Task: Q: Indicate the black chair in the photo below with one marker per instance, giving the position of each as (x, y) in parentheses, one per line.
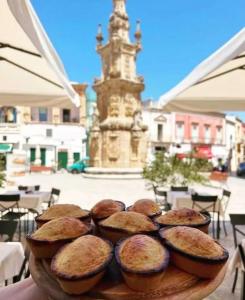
(237, 220)
(225, 199)
(23, 188)
(161, 198)
(54, 196)
(242, 255)
(207, 204)
(179, 188)
(24, 270)
(36, 188)
(8, 228)
(9, 207)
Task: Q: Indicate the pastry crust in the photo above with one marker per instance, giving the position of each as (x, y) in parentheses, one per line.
(194, 251)
(131, 222)
(106, 208)
(80, 265)
(142, 260)
(46, 241)
(194, 242)
(123, 224)
(184, 217)
(141, 254)
(63, 210)
(146, 207)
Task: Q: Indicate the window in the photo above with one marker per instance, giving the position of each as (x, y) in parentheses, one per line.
(66, 115)
(194, 132)
(180, 130)
(5, 138)
(43, 114)
(49, 132)
(8, 114)
(219, 134)
(159, 132)
(207, 134)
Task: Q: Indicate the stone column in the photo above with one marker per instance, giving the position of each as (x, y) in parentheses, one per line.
(38, 156)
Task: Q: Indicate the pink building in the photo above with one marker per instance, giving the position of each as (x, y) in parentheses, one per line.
(203, 133)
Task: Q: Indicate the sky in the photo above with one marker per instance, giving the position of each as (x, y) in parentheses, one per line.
(177, 35)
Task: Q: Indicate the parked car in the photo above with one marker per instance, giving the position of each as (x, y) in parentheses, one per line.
(241, 169)
(78, 166)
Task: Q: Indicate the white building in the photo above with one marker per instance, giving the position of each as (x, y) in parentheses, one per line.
(44, 137)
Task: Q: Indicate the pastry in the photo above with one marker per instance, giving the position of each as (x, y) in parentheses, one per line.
(106, 208)
(194, 251)
(46, 241)
(81, 264)
(63, 210)
(142, 260)
(124, 224)
(184, 217)
(146, 207)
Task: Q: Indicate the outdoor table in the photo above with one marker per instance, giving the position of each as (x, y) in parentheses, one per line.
(23, 290)
(235, 260)
(11, 259)
(31, 200)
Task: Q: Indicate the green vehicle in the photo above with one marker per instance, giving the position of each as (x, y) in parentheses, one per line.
(78, 166)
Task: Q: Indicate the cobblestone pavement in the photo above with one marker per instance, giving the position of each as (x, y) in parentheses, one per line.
(86, 192)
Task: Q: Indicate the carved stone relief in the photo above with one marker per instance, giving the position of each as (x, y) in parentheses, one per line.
(114, 106)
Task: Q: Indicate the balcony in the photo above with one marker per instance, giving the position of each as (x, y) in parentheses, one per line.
(9, 128)
(207, 141)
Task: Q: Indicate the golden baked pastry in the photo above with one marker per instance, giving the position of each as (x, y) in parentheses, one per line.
(45, 241)
(194, 251)
(79, 265)
(142, 260)
(146, 207)
(63, 210)
(184, 217)
(123, 224)
(106, 208)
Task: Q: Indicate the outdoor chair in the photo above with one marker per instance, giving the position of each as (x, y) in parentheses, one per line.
(37, 188)
(54, 196)
(242, 255)
(9, 207)
(24, 270)
(161, 198)
(225, 199)
(7, 228)
(22, 188)
(237, 220)
(207, 204)
(179, 188)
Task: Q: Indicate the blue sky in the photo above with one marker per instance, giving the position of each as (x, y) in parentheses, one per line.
(177, 35)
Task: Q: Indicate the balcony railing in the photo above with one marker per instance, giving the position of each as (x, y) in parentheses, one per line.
(6, 128)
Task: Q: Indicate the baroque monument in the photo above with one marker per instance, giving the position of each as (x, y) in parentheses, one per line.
(118, 136)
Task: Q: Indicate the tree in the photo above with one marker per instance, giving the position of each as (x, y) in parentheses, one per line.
(167, 170)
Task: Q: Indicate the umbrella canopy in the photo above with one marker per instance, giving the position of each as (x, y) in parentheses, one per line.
(31, 73)
(216, 85)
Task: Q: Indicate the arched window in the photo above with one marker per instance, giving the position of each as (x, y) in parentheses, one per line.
(8, 114)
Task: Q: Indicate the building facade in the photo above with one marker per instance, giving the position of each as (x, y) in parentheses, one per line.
(51, 137)
(185, 132)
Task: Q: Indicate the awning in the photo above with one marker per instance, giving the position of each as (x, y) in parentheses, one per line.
(4, 148)
(216, 85)
(203, 152)
(31, 73)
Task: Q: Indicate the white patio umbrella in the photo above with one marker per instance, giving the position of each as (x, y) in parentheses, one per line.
(31, 73)
(216, 85)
